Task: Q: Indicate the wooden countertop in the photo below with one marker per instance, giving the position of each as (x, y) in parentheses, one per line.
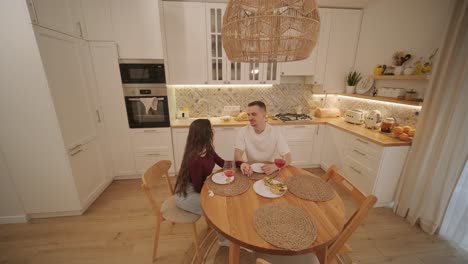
(359, 130)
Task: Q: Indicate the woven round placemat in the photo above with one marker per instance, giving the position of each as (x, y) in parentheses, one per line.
(285, 226)
(310, 188)
(240, 185)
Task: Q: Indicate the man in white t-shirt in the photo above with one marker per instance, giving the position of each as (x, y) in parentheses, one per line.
(260, 141)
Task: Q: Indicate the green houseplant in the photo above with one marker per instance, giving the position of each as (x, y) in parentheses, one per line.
(352, 80)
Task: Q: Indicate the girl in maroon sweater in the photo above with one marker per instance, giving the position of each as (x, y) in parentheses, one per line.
(197, 164)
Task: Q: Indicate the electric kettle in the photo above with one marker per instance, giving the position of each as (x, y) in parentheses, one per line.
(373, 119)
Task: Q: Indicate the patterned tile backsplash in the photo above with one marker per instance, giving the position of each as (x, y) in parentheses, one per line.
(205, 101)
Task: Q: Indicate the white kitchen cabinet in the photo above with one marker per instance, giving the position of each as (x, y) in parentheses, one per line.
(301, 142)
(373, 168)
(67, 65)
(342, 45)
(61, 15)
(111, 99)
(179, 139)
(333, 148)
(88, 171)
(63, 64)
(98, 20)
(310, 65)
(137, 28)
(185, 35)
(151, 145)
(262, 73)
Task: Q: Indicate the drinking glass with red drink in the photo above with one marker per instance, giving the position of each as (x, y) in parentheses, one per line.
(228, 169)
(280, 162)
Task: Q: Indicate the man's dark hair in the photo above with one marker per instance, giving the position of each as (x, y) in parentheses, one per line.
(259, 104)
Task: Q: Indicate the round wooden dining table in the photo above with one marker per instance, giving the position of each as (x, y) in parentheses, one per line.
(233, 218)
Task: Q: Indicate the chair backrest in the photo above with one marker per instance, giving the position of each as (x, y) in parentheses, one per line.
(365, 203)
(152, 177)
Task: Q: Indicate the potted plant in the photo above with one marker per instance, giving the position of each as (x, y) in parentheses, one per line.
(351, 81)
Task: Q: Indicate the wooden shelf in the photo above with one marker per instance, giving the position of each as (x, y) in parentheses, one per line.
(383, 99)
(400, 77)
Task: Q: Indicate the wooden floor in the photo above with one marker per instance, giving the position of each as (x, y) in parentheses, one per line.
(119, 226)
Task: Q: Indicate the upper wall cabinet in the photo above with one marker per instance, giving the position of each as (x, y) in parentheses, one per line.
(335, 51)
(60, 15)
(98, 20)
(345, 26)
(185, 27)
(137, 28)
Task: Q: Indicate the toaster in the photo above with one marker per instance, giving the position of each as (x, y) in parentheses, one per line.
(355, 116)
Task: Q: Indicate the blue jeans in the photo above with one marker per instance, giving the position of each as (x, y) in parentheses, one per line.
(191, 203)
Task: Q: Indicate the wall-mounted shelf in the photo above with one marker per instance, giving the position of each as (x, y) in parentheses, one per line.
(400, 77)
(383, 99)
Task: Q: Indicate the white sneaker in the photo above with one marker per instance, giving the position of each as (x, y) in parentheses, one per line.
(224, 243)
(227, 243)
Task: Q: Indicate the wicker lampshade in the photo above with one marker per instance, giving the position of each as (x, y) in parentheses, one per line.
(270, 30)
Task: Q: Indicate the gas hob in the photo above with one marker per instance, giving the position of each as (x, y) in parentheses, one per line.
(290, 117)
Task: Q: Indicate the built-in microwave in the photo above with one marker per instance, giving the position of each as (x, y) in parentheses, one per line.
(142, 73)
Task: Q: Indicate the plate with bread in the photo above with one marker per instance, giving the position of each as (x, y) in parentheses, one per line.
(270, 188)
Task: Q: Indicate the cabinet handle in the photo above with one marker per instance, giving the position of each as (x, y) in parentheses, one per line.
(362, 141)
(98, 116)
(150, 131)
(359, 152)
(358, 171)
(153, 154)
(318, 127)
(79, 28)
(74, 153)
(228, 128)
(206, 82)
(74, 147)
(32, 11)
(299, 126)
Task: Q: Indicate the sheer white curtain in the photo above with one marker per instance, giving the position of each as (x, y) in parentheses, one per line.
(440, 150)
(455, 224)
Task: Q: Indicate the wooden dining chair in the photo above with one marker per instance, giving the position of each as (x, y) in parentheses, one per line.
(365, 204)
(168, 210)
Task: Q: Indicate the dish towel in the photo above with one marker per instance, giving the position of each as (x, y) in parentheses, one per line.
(149, 102)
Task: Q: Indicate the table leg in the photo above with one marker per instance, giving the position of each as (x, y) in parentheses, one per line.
(322, 255)
(234, 253)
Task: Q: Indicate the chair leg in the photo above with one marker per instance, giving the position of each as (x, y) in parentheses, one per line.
(156, 237)
(195, 241)
(322, 255)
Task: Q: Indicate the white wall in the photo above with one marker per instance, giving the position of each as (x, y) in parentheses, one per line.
(30, 136)
(415, 27)
(11, 209)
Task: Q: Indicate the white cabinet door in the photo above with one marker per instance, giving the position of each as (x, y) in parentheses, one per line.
(321, 50)
(137, 28)
(98, 20)
(224, 141)
(61, 15)
(319, 138)
(88, 170)
(300, 140)
(341, 54)
(185, 29)
(111, 98)
(217, 60)
(179, 139)
(333, 148)
(146, 159)
(61, 57)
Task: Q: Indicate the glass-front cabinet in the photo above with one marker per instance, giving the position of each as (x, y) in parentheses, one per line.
(223, 71)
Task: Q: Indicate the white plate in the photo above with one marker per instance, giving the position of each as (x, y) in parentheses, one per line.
(261, 189)
(257, 167)
(364, 85)
(219, 178)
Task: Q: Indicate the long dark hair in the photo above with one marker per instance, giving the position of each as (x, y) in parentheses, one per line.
(199, 141)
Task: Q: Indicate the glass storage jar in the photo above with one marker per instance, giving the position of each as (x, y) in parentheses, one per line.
(387, 125)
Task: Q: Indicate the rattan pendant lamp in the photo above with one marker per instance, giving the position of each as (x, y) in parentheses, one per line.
(270, 30)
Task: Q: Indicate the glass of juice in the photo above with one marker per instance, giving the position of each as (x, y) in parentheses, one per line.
(228, 169)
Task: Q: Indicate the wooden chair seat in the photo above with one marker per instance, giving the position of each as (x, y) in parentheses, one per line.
(172, 213)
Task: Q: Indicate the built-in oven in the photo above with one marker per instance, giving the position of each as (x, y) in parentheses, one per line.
(147, 107)
(142, 73)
